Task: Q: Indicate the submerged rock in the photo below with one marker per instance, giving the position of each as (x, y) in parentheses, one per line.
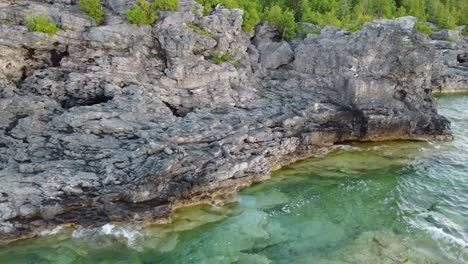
(122, 123)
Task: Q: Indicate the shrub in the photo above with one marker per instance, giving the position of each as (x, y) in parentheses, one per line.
(93, 8)
(219, 58)
(251, 16)
(359, 23)
(200, 30)
(41, 23)
(143, 13)
(237, 64)
(330, 18)
(448, 39)
(283, 20)
(423, 28)
(465, 30)
(227, 56)
(170, 5)
(152, 56)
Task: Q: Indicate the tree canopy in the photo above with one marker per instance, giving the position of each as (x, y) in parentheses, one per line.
(350, 14)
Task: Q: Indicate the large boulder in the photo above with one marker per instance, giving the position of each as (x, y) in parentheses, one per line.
(275, 54)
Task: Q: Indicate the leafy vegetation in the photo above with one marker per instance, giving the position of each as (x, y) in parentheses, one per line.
(448, 39)
(145, 13)
(200, 30)
(349, 14)
(41, 23)
(170, 5)
(357, 25)
(283, 20)
(237, 64)
(152, 56)
(423, 28)
(252, 9)
(219, 58)
(142, 13)
(93, 8)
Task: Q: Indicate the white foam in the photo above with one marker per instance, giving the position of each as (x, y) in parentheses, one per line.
(438, 233)
(52, 232)
(453, 247)
(130, 233)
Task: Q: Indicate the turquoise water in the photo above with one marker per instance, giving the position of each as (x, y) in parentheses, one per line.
(403, 202)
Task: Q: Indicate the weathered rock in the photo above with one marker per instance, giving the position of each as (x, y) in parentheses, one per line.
(122, 123)
(275, 54)
(447, 35)
(451, 67)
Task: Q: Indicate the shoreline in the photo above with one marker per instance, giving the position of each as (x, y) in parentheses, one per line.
(225, 192)
(123, 123)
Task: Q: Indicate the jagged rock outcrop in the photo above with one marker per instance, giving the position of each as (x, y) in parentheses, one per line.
(451, 74)
(124, 123)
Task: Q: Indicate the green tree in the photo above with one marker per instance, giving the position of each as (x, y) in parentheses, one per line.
(251, 16)
(388, 8)
(283, 20)
(345, 8)
(401, 11)
(417, 9)
(330, 18)
(303, 11)
(351, 14)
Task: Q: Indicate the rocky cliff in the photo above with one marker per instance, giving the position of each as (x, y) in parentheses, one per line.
(118, 122)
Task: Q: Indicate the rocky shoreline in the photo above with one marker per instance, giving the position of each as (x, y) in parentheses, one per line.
(121, 123)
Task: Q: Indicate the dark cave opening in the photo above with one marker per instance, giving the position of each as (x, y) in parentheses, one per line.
(57, 56)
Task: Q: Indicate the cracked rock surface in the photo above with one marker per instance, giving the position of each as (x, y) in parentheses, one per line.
(116, 122)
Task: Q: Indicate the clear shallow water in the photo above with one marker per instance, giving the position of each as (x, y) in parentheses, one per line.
(401, 202)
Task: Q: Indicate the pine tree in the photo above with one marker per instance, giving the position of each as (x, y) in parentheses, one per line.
(344, 8)
(351, 14)
(303, 11)
(401, 11)
(388, 8)
(417, 9)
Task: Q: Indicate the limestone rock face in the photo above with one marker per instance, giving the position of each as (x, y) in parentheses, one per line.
(451, 56)
(447, 34)
(451, 74)
(121, 123)
(381, 70)
(275, 54)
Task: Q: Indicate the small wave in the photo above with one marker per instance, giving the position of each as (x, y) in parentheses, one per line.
(130, 234)
(51, 232)
(346, 148)
(453, 242)
(439, 233)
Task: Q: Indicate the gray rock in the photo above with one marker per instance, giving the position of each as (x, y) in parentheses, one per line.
(447, 35)
(275, 54)
(451, 74)
(119, 122)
